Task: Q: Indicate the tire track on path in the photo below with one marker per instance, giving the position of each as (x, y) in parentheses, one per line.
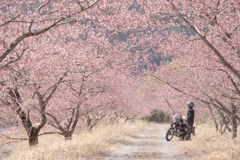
(150, 145)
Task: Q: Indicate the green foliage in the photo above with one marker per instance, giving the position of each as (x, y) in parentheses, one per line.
(146, 86)
(175, 68)
(158, 116)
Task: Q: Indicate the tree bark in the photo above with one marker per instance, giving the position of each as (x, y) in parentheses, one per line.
(67, 132)
(33, 136)
(32, 132)
(212, 116)
(226, 122)
(68, 136)
(234, 122)
(221, 125)
(223, 120)
(234, 127)
(16, 100)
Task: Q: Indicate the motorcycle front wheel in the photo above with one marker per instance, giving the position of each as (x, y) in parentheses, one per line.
(169, 134)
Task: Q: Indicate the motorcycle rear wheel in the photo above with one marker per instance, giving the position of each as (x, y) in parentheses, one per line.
(169, 134)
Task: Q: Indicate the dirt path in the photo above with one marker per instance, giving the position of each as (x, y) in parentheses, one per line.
(150, 145)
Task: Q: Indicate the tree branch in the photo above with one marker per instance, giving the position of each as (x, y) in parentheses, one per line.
(49, 133)
(54, 89)
(9, 21)
(231, 79)
(194, 27)
(19, 139)
(25, 35)
(42, 5)
(56, 121)
(17, 59)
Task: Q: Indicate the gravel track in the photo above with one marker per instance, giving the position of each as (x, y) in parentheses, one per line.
(150, 145)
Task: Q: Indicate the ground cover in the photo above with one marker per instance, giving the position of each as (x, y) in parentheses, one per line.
(211, 145)
(99, 143)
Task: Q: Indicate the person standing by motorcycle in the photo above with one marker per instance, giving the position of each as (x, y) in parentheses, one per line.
(190, 119)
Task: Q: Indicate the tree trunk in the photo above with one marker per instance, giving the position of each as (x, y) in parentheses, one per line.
(126, 119)
(234, 122)
(68, 136)
(221, 125)
(223, 119)
(33, 136)
(212, 116)
(216, 124)
(72, 123)
(32, 131)
(234, 127)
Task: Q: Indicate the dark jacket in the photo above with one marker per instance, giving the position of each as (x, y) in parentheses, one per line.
(190, 115)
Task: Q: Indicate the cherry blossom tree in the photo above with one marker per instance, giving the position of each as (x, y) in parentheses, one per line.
(21, 20)
(103, 48)
(26, 26)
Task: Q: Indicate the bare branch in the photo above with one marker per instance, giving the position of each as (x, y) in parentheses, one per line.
(25, 35)
(19, 139)
(42, 5)
(194, 27)
(30, 26)
(185, 42)
(3, 6)
(56, 121)
(90, 6)
(30, 34)
(232, 80)
(54, 89)
(235, 28)
(78, 2)
(69, 21)
(45, 133)
(50, 88)
(9, 21)
(169, 105)
(222, 107)
(230, 97)
(50, 12)
(17, 59)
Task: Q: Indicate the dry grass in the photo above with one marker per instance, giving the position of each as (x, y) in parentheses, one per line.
(206, 145)
(96, 145)
(211, 145)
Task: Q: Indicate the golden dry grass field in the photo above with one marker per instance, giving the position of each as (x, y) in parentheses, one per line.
(99, 144)
(208, 144)
(84, 145)
(211, 145)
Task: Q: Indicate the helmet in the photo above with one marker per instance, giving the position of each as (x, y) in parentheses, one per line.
(190, 104)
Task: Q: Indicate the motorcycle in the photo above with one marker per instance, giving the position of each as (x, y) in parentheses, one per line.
(178, 128)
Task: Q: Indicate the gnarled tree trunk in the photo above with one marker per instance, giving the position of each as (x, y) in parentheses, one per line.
(32, 132)
(16, 100)
(68, 130)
